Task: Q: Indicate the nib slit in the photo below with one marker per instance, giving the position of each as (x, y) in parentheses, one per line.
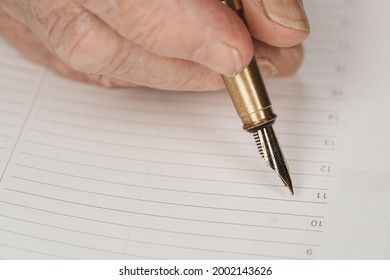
(269, 149)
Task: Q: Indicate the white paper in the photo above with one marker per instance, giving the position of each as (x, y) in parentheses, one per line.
(94, 173)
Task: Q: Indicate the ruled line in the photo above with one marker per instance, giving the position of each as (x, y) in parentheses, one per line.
(155, 229)
(10, 112)
(297, 96)
(162, 216)
(177, 99)
(153, 123)
(17, 79)
(33, 251)
(89, 139)
(165, 163)
(167, 176)
(72, 244)
(5, 136)
(14, 90)
(24, 123)
(307, 122)
(126, 109)
(334, 73)
(7, 124)
(159, 149)
(297, 134)
(309, 83)
(147, 257)
(139, 160)
(17, 67)
(170, 203)
(131, 121)
(10, 100)
(162, 111)
(147, 148)
(310, 161)
(146, 242)
(163, 136)
(308, 134)
(280, 108)
(171, 97)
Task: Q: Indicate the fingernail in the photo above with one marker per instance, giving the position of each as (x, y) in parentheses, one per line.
(289, 13)
(220, 57)
(267, 69)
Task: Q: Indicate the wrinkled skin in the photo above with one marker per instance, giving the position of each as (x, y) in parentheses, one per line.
(170, 44)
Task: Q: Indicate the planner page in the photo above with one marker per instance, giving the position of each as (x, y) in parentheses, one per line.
(94, 173)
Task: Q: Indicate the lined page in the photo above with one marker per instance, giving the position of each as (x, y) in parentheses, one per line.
(20, 82)
(93, 173)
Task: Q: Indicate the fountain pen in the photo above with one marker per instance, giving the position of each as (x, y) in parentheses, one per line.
(253, 106)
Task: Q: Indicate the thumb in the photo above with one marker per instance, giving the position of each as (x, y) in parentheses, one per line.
(204, 31)
(281, 23)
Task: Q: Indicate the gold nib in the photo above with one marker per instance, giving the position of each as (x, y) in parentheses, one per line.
(269, 149)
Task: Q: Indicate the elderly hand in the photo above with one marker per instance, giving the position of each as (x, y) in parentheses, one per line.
(170, 44)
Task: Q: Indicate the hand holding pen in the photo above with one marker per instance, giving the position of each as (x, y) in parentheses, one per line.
(171, 44)
(253, 105)
(177, 45)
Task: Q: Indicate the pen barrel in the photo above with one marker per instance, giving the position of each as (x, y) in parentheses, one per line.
(250, 98)
(247, 90)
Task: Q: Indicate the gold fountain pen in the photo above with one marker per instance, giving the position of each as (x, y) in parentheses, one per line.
(253, 106)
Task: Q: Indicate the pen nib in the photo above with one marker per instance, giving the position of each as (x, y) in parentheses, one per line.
(269, 149)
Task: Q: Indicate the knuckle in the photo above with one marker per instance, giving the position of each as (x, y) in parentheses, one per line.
(88, 45)
(70, 40)
(79, 38)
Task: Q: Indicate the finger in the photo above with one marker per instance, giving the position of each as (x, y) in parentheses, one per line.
(204, 31)
(140, 68)
(275, 61)
(187, 76)
(281, 23)
(131, 64)
(32, 48)
(87, 44)
(29, 45)
(136, 65)
(75, 35)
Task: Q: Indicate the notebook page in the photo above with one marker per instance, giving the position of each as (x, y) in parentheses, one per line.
(359, 221)
(19, 83)
(96, 173)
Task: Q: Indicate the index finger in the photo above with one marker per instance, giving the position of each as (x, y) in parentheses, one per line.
(203, 31)
(280, 23)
